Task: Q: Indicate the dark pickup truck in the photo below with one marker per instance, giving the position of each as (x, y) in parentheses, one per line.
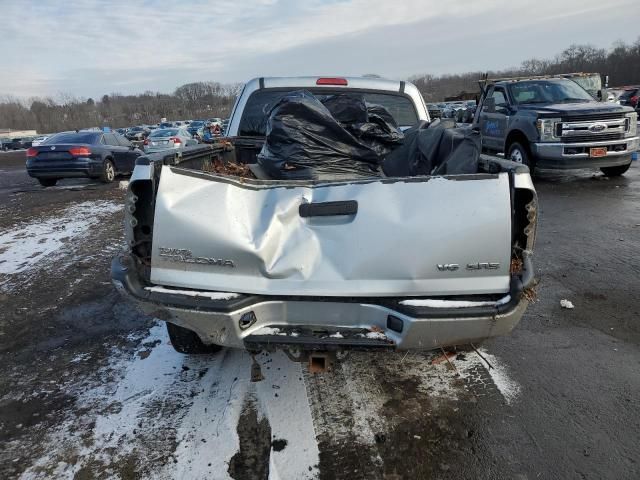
(554, 123)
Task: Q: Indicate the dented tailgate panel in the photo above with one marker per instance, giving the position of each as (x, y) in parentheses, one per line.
(216, 233)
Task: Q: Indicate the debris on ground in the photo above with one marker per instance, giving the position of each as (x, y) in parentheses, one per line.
(564, 303)
(530, 294)
(516, 265)
(229, 168)
(443, 358)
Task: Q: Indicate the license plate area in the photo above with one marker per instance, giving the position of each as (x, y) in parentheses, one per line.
(598, 152)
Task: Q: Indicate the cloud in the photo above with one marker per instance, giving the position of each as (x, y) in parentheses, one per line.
(87, 48)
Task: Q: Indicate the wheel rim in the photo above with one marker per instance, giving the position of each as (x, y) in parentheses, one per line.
(110, 173)
(516, 156)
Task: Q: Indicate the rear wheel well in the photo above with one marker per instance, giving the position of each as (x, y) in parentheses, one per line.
(516, 136)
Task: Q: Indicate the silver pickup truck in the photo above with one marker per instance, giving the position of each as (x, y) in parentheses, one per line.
(377, 263)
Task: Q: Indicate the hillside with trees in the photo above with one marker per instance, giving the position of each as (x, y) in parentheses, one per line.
(208, 99)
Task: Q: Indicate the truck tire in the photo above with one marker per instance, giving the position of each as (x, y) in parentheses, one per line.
(108, 172)
(188, 342)
(48, 182)
(615, 171)
(520, 154)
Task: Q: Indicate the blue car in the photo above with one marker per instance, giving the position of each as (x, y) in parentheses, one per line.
(196, 128)
(81, 154)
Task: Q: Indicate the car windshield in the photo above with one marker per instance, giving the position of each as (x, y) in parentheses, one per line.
(256, 111)
(80, 137)
(166, 132)
(548, 91)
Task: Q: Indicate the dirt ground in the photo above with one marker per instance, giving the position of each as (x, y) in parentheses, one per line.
(90, 388)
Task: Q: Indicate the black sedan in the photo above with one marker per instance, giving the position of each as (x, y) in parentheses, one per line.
(83, 154)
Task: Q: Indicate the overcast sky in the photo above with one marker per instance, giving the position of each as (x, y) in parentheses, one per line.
(89, 47)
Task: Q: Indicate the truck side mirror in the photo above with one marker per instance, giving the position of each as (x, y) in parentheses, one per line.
(489, 105)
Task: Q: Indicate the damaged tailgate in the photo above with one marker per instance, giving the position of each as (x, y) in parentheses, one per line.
(369, 238)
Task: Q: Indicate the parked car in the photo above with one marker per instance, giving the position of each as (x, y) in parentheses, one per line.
(39, 140)
(5, 144)
(554, 123)
(196, 127)
(166, 125)
(81, 154)
(375, 263)
(630, 97)
(434, 111)
(214, 120)
(137, 133)
(20, 143)
(121, 131)
(168, 138)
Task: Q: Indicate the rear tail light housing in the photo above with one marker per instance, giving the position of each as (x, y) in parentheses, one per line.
(146, 141)
(634, 100)
(32, 152)
(332, 81)
(176, 140)
(80, 151)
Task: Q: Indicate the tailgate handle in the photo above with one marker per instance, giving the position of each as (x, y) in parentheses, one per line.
(328, 209)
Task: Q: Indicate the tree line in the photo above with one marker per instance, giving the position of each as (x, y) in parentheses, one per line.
(621, 63)
(212, 99)
(200, 100)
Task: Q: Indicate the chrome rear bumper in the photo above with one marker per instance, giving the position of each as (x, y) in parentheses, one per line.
(254, 322)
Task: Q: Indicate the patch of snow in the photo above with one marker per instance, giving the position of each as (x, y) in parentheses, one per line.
(273, 331)
(194, 293)
(433, 303)
(26, 245)
(123, 185)
(336, 335)
(282, 399)
(509, 388)
(564, 303)
(180, 409)
(376, 335)
(80, 358)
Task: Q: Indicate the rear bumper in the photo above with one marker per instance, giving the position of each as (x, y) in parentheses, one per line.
(576, 155)
(80, 167)
(249, 322)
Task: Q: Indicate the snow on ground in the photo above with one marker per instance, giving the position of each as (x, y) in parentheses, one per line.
(27, 245)
(176, 416)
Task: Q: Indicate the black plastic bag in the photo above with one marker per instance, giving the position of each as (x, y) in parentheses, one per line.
(434, 149)
(380, 132)
(305, 141)
(347, 109)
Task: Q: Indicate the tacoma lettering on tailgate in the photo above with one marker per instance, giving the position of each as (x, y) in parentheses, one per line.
(182, 255)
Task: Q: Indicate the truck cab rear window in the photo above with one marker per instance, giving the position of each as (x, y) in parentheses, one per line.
(256, 112)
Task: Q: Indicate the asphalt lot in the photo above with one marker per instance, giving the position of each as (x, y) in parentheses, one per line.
(89, 388)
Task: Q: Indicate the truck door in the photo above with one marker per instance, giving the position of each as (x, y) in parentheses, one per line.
(493, 124)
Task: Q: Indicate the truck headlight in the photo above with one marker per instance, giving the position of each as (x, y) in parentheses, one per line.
(547, 129)
(632, 124)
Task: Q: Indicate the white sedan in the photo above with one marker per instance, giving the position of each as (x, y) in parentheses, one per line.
(167, 139)
(38, 140)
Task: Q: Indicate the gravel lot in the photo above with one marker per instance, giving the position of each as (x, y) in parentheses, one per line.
(89, 388)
